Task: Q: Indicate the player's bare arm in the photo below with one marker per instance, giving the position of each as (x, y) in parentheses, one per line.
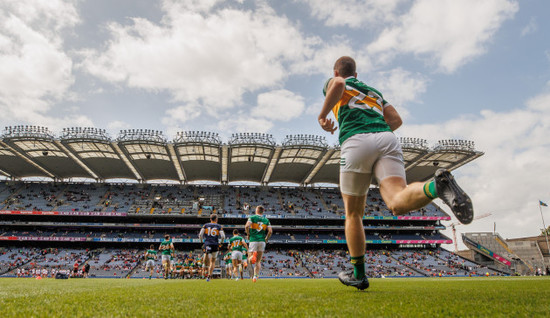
(391, 116)
(269, 233)
(335, 90)
(201, 235)
(247, 229)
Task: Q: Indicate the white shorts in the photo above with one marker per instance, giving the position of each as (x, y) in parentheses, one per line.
(256, 246)
(237, 255)
(165, 258)
(150, 263)
(212, 254)
(363, 155)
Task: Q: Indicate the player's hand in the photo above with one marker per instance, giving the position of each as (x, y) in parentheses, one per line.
(327, 125)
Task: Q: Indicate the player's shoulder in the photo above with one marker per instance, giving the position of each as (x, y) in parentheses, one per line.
(325, 87)
(360, 85)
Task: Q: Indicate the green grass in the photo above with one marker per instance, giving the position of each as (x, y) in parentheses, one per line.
(410, 297)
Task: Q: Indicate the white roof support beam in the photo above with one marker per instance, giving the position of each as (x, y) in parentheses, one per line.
(126, 161)
(272, 164)
(24, 157)
(225, 163)
(177, 164)
(5, 174)
(76, 159)
(318, 166)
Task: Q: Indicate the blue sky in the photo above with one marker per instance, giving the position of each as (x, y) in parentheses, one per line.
(476, 70)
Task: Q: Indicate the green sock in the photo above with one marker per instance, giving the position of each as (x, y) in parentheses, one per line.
(429, 190)
(358, 263)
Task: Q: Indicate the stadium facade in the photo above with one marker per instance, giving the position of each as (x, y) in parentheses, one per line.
(103, 218)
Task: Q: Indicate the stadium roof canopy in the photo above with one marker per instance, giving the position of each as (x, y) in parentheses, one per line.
(146, 155)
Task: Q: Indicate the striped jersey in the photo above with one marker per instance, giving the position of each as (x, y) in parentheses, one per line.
(360, 110)
(236, 243)
(258, 228)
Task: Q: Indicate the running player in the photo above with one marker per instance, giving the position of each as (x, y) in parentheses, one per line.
(210, 234)
(235, 246)
(228, 265)
(166, 249)
(258, 231)
(245, 264)
(369, 147)
(150, 257)
(172, 265)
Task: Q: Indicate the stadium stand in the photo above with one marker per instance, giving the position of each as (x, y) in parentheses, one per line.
(110, 224)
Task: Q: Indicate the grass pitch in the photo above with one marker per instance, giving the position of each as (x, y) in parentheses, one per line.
(430, 297)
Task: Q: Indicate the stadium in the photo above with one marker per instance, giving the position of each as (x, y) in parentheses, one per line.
(85, 198)
(51, 225)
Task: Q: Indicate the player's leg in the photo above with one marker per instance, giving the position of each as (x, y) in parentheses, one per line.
(205, 263)
(235, 266)
(401, 198)
(258, 266)
(212, 264)
(354, 187)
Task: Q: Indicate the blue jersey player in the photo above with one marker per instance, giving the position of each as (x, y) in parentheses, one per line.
(210, 235)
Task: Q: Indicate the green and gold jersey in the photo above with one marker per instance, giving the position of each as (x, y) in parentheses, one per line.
(258, 228)
(236, 243)
(151, 254)
(179, 265)
(165, 247)
(228, 259)
(360, 110)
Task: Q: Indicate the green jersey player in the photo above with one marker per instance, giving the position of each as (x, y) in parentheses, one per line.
(150, 257)
(166, 249)
(258, 230)
(370, 149)
(236, 246)
(228, 264)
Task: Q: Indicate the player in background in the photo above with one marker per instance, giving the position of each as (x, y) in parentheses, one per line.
(228, 265)
(86, 269)
(369, 148)
(245, 264)
(198, 267)
(235, 246)
(258, 231)
(166, 249)
(150, 258)
(178, 268)
(172, 265)
(210, 235)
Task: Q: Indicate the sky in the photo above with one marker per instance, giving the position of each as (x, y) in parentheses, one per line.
(469, 69)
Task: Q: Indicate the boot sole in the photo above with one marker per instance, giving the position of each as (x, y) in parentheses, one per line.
(462, 204)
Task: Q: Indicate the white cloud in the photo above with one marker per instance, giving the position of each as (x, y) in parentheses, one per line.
(512, 175)
(451, 32)
(211, 56)
(280, 105)
(117, 125)
(36, 72)
(181, 114)
(245, 123)
(400, 87)
(354, 13)
(530, 28)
